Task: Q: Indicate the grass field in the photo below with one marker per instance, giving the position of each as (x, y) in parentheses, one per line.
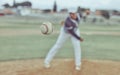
(20, 38)
(22, 42)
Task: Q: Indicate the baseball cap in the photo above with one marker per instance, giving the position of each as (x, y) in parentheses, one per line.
(72, 10)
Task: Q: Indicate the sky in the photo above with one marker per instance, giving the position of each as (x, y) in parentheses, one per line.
(92, 4)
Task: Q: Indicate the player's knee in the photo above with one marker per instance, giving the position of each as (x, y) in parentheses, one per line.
(58, 45)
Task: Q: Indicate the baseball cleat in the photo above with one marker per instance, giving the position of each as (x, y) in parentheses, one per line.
(47, 65)
(78, 68)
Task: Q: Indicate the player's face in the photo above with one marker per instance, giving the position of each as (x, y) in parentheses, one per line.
(73, 16)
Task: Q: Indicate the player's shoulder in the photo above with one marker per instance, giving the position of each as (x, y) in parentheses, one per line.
(68, 19)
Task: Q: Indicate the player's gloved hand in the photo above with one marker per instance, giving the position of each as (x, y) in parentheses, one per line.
(81, 39)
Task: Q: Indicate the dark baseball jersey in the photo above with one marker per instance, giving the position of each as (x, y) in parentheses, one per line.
(71, 26)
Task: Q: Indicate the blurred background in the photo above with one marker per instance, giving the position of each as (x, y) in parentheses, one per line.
(95, 10)
(20, 36)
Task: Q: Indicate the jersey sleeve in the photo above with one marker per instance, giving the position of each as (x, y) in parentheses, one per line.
(74, 34)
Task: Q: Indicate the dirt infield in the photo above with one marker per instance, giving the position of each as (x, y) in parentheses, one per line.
(59, 67)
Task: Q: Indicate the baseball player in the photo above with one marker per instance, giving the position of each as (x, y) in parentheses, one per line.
(68, 30)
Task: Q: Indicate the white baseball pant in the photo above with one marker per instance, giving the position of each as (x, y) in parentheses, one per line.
(61, 39)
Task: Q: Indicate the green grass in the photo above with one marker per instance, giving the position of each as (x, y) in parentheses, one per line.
(36, 46)
(101, 47)
(105, 47)
(104, 28)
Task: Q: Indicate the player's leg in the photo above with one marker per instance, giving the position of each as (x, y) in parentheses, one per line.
(61, 39)
(77, 50)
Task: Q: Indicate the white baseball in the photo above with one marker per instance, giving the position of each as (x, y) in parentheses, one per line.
(46, 28)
